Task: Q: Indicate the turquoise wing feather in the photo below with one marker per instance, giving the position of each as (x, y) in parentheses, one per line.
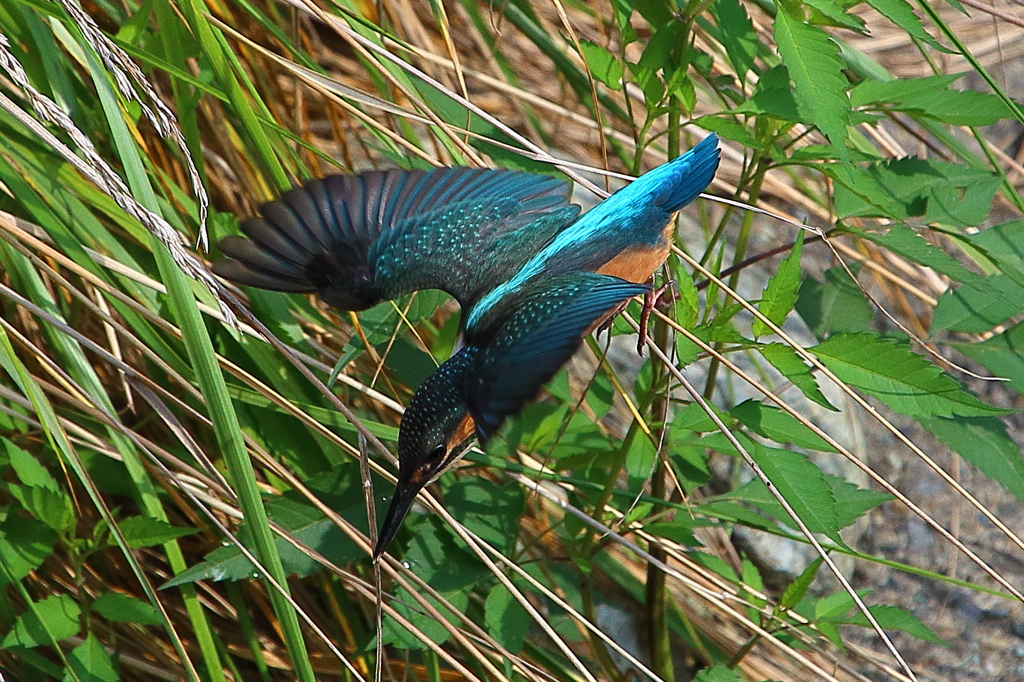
(636, 215)
(359, 239)
(512, 357)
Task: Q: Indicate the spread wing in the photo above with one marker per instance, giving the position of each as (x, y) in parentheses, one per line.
(520, 353)
(358, 239)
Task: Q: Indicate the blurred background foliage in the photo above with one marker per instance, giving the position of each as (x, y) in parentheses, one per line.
(181, 499)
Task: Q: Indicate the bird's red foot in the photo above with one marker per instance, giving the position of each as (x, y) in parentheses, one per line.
(650, 300)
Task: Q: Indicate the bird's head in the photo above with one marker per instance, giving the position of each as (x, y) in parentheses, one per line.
(435, 432)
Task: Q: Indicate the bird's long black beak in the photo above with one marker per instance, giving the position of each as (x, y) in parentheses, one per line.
(405, 495)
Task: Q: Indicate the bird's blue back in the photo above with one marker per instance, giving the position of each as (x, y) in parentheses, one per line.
(633, 217)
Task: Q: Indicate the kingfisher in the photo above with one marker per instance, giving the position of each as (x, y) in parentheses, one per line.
(531, 275)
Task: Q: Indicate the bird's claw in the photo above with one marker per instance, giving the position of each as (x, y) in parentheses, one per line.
(650, 300)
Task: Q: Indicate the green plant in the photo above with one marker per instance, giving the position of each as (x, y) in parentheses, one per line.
(139, 426)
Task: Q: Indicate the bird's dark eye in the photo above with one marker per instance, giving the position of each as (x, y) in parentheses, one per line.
(437, 453)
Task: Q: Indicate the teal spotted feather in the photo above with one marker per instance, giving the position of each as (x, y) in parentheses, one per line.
(359, 239)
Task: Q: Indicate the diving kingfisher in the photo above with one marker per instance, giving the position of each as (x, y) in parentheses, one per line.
(531, 276)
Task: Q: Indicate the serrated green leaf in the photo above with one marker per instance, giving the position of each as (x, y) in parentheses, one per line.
(853, 502)
(803, 486)
(977, 305)
(984, 442)
(900, 378)
(780, 294)
(1003, 355)
(603, 65)
(506, 619)
(737, 35)
(123, 608)
(781, 427)
(912, 246)
(773, 96)
(29, 470)
(667, 36)
(812, 58)
(90, 662)
(50, 620)
(891, 90)
(893, 618)
(301, 520)
(24, 545)
(448, 569)
(686, 350)
(640, 460)
(796, 590)
(836, 15)
(792, 367)
(900, 13)
(1003, 242)
(688, 305)
(936, 191)
(489, 510)
(728, 129)
(51, 507)
(835, 305)
(142, 531)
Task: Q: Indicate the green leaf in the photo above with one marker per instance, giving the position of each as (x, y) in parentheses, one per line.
(792, 367)
(449, 570)
(1003, 355)
(774, 97)
(719, 673)
(893, 618)
(796, 590)
(679, 529)
(489, 510)
(779, 426)
(984, 442)
(834, 15)
(886, 91)
(912, 246)
(90, 662)
(506, 619)
(304, 522)
(50, 621)
(24, 545)
(729, 129)
(123, 608)
(737, 35)
(780, 294)
(29, 470)
(900, 378)
(667, 36)
(623, 10)
(688, 305)
(835, 305)
(1004, 243)
(936, 191)
(900, 13)
(686, 350)
(978, 305)
(812, 58)
(603, 65)
(142, 531)
(52, 508)
(803, 486)
(851, 502)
